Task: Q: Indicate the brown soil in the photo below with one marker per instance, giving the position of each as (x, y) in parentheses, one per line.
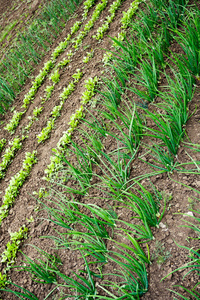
(23, 15)
(5, 5)
(26, 206)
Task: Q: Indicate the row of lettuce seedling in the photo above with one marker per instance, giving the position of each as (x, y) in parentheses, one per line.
(134, 276)
(30, 46)
(9, 255)
(11, 193)
(12, 125)
(134, 262)
(17, 142)
(10, 151)
(16, 183)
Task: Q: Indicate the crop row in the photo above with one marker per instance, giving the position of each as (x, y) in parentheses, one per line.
(10, 253)
(125, 21)
(115, 168)
(48, 66)
(87, 95)
(56, 111)
(101, 30)
(16, 183)
(113, 176)
(67, 91)
(99, 8)
(2, 144)
(74, 120)
(30, 47)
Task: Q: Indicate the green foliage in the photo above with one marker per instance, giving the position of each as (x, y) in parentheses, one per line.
(44, 269)
(87, 5)
(77, 76)
(9, 255)
(88, 57)
(57, 109)
(55, 77)
(7, 29)
(12, 125)
(2, 144)
(9, 155)
(3, 280)
(16, 183)
(127, 16)
(90, 89)
(190, 42)
(101, 30)
(146, 205)
(98, 9)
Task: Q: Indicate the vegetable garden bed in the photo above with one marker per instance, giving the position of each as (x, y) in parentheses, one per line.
(99, 167)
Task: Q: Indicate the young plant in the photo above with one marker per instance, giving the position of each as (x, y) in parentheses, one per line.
(2, 144)
(55, 77)
(88, 57)
(129, 125)
(83, 286)
(12, 125)
(9, 154)
(148, 78)
(127, 16)
(44, 269)
(96, 14)
(16, 183)
(90, 85)
(190, 42)
(131, 272)
(9, 254)
(146, 205)
(101, 30)
(83, 172)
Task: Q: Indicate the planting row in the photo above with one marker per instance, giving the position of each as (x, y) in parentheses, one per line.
(17, 143)
(9, 153)
(125, 123)
(12, 125)
(9, 255)
(17, 65)
(115, 181)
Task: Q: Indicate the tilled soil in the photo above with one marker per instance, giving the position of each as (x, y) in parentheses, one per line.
(167, 255)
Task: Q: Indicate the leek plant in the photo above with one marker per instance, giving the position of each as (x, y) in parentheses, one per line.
(163, 160)
(116, 172)
(142, 232)
(167, 132)
(89, 245)
(173, 13)
(129, 125)
(83, 287)
(113, 91)
(44, 270)
(83, 172)
(148, 78)
(126, 56)
(132, 275)
(24, 293)
(189, 40)
(68, 212)
(146, 205)
(6, 95)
